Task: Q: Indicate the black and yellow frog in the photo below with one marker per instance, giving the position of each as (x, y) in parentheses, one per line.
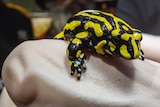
(101, 32)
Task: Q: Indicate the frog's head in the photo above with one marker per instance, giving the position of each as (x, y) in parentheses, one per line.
(126, 43)
(130, 48)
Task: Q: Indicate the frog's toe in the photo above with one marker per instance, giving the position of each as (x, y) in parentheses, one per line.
(84, 66)
(78, 76)
(142, 55)
(72, 70)
(79, 73)
(77, 66)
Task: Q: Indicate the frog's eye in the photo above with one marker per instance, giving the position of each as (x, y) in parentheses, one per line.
(137, 35)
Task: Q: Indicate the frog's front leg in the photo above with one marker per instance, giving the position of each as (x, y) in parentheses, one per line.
(141, 55)
(76, 56)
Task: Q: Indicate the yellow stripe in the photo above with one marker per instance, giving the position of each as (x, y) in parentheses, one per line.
(97, 28)
(79, 52)
(107, 51)
(89, 24)
(135, 49)
(99, 47)
(76, 41)
(125, 27)
(136, 36)
(126, 36)
(120, 20)
(117, 30)
(72, 25)
(112, 46)
(102, 19)
(116, 19)
(124, 52)
(97, 13)
(82, 34)
(60, 35)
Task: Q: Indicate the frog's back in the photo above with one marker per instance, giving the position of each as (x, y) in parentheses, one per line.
(92, 21)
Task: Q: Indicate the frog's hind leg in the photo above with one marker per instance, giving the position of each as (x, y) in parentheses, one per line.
(76, 56)
(60, 36)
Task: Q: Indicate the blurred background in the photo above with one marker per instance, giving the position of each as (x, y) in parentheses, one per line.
(49, 16)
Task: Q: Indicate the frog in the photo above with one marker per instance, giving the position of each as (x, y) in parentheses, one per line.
(103, 33)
